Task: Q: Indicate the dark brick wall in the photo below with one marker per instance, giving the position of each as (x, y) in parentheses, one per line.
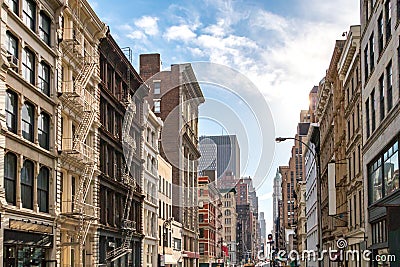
(150, 64)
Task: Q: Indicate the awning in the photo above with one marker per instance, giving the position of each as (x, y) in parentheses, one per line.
(28, 239)
(170, 259)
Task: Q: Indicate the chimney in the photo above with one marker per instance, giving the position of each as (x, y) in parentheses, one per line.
(150, 64)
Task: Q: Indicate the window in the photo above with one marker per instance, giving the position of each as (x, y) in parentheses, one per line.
(366, 68)
(367, 120)
(201, 232)
(389, 81)
(201, 248)
(382, 97)
(388, 16)
(28, 113)
(391, 169)
(157, 88)
(11, 111)
(44, 78)
(14, 6)
(43, 190)
(380, 33)
(373, 103)
(372, 52)
(27, 184)
(29, 13)
(383, 174)
(44, 130)
(28, 66)
(12, 44)
(44, 28)
(157, 106)
(10, 177)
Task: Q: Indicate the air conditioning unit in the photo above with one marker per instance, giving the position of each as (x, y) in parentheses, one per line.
(13, 60)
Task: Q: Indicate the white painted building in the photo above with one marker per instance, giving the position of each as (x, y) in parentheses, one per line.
(152, 128)
(311, 194)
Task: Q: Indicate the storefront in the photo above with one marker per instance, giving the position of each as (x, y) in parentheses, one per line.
(28, 244)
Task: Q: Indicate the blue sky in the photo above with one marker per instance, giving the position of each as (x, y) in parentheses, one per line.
(282, 46)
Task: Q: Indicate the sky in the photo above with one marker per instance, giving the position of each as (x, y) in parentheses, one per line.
(282, 46)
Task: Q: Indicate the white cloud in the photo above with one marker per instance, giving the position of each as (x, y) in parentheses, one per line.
(148, 24)
(136, 35)
(180, 33)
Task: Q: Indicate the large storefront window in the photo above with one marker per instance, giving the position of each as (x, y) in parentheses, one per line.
(384, 174)
(375, 181)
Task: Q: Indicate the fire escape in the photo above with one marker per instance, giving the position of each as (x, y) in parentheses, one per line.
(128, 227)
(76, 151)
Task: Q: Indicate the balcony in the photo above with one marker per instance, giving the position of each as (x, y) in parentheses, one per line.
(78, 152)
(76, 210)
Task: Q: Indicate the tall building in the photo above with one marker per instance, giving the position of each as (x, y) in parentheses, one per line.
(152, 128)
(228, 154)
(30, 123)
(166, 242)
(292, 174)
(207, 222)
(175, 96)
(263, 229)
(312, 197)
(120, 184)
(381, 119)
(330, 112)
(276, 196)
(353, 157)
(78, 76)
(229, 219)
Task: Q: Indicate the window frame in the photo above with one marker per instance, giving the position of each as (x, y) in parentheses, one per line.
(14, 114)
(44, 78)
(43, 188)
(30, 124)
(44, 130)
(29, 19)
(26, 67)
(11, 197)
(45, 34)
(27, 185)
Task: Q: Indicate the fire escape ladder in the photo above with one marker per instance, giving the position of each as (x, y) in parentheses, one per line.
(84, 76)
(128, 226)
(84, 127)
(84, 186)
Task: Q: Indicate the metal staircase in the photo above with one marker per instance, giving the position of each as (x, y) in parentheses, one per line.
(75, 150)
(128, 226)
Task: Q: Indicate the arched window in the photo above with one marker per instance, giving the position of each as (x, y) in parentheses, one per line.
(10, 177)
(44, 130)
(43, 189)
(27, 184)
(28, 117)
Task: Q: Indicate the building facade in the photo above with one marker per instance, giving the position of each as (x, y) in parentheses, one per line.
(276, 196)
(151, 132)
(165, 232)
(30, 119)
(228, 154)
(79, 94)
(380, 104)
(311, 161)
(229, 219)
(349, 69)
(121, 185)
(175, 96)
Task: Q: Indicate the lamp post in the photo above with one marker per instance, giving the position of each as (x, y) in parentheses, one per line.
(316, 159)
(166, 223)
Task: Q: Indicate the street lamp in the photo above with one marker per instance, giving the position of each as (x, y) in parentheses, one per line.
(316, 159)
(166, 223)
